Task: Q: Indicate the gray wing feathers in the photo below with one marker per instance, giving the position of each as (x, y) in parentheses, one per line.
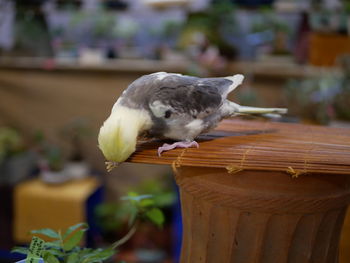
(161, 92)
(190, 95)
(185, 98)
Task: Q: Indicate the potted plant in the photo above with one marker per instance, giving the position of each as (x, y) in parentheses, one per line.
(51, 160)
(65, 246)
(16, 161)
(75, 132)
(51, 165)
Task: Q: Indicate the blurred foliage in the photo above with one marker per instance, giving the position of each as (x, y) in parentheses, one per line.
(269, 20)
(54, 157)
(315, 99)
(11, 143)
(97, 29)
(143, 208)
(275, 28)
(51, 154)
(75, 132)
(126, 28)
(162, 191)
(113, 216)
(65, 246)
(171, 28)
(68, 4)
(135, 208)
(213, 23)
(323, 98)
(101, 24)
(31, 35)
(330, 20)
(342, 100)
(77, 129)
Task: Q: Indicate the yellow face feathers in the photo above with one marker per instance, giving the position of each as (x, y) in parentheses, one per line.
(114, 141)
(118, 134)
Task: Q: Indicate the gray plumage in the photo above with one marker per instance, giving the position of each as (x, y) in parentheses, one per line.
(182, 107)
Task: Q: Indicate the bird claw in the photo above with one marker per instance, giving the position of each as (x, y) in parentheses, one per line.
(111, 165)
(167, 147)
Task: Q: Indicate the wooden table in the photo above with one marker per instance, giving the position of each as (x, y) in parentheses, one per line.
(261, 192)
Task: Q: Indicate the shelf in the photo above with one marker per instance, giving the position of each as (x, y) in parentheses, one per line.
(268, 68)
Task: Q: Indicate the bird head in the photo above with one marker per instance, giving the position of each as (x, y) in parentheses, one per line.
(118, 134)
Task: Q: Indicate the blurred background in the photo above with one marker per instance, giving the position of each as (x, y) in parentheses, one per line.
(63, 64)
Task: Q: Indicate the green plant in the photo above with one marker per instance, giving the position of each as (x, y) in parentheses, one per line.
(161, 190)
(112, 216)
(101, 23)
(11, 143)
(64, 246)
(74, 132)
(269, 20)
(313, 98)
(54, 157)
(275, 27)
(51, 155)
(134, 210)
(214, 23)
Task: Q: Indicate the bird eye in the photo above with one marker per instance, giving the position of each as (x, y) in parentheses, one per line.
(167, 114)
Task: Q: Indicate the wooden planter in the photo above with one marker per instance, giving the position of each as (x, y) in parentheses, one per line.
(261, 192)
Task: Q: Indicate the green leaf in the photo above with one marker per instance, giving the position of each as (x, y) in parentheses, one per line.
(73, 258)
(156, 216)
(55, 252)
(73, 240)
(165, 199)
(49, 258)
(134, 197)
(83, 226)
(132, 194)
(46, 232)
(85, 252)
(100, 255)
(21, 250)
(146, 202)
(54, 244)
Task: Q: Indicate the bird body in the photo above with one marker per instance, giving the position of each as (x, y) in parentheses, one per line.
(169, 106)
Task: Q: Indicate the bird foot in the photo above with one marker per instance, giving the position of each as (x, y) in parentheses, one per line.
(167, 147)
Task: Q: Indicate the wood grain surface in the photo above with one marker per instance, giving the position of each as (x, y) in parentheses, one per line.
(238, 145)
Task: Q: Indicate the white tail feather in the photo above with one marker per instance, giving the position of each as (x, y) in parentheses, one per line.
(256, 110)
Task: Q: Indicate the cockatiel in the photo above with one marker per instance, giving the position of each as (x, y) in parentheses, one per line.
(169, 106)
